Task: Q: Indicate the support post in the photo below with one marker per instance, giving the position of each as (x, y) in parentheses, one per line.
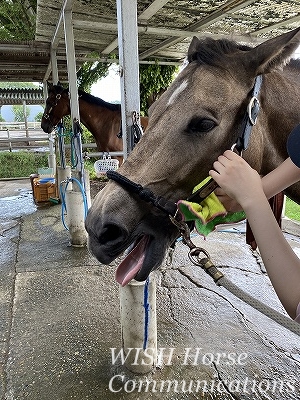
(25, 120)
(78, 234)
(72, 77)
(129, 68)
(138, 320)
(54, 66)
(138, 325)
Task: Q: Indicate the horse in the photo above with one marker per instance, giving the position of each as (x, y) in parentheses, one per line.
(101, 118)
(199, 116)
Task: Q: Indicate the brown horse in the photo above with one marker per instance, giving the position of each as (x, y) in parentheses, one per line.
(101, 118)
(206, 105)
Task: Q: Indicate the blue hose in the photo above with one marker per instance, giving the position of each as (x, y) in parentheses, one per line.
(63, 199)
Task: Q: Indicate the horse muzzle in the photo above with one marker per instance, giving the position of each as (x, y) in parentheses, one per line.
(111, 233)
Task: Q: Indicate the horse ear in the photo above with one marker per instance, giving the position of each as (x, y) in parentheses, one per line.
(193, 48)
(273, 53)
(49, 85)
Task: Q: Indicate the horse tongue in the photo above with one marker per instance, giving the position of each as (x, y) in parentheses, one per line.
(133, 262)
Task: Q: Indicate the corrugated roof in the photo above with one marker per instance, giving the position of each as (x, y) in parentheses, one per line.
(165, 30)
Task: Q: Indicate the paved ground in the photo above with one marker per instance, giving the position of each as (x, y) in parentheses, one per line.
(59, 319)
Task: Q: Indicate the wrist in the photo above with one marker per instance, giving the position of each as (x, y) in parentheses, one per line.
(254, 201)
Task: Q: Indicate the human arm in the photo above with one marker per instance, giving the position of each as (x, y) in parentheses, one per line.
(274, 182)
(242, 183)
(280, 178)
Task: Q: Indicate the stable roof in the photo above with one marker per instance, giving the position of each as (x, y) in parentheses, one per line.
(31, 96)
(165, 29)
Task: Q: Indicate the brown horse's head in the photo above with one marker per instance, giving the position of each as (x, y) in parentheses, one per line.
(57, 106)
(192, 123)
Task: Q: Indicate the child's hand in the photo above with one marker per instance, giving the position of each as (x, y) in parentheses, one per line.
(230, 204)
(235, 176)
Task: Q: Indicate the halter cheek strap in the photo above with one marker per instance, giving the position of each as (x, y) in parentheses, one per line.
(250, 117)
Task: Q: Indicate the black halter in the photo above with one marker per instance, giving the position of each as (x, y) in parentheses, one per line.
(250, 117)
(46, 115)
(241, 144)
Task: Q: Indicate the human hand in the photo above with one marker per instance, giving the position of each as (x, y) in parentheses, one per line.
(235, 176)
(230, 204)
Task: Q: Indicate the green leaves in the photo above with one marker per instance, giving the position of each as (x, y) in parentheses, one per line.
(154, 80)
(91, 72)
(17, 19)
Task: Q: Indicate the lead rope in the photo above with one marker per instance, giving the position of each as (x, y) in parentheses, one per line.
(201, 258)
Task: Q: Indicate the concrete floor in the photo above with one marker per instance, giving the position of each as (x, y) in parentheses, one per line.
(60, 319)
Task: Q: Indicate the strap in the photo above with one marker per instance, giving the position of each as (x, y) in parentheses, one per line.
(145, 194)
(250, 117)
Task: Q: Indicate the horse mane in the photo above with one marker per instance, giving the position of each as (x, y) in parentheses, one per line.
(97, 101)
(89, 98)
(211, 52)
(294, 63)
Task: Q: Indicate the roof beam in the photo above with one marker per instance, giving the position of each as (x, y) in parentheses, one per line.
(146, 14)
(227, 8)
(152, 9)
(277, 25)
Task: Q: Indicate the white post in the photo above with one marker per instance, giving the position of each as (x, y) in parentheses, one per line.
(25, 119)
(75, 218)
(76, 208)
(72, 76)
(54, 66)
(129, 67)
(138, 325)
(63, 174)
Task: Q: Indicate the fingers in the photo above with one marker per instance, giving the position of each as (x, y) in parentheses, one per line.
(226, 164)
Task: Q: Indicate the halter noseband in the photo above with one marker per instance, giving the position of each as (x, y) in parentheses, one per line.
(241, 144)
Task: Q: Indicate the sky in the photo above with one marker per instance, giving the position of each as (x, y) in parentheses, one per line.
(108, 88)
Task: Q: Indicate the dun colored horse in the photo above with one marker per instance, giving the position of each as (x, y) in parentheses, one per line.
(101, 118)
(206, 105)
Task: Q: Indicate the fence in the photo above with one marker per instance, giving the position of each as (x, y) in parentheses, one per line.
(18, 135)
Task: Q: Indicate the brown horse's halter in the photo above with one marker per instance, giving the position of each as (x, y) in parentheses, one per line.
(57, 98)
(239, 146)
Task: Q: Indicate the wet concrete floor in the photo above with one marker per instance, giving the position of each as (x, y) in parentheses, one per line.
(60, 319)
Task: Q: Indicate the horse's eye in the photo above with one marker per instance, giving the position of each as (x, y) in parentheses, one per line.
(200, 125)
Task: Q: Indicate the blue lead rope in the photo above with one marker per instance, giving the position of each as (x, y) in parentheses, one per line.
(147, 311)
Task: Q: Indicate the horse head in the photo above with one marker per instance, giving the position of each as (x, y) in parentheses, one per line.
(190, 125)
(57, 106)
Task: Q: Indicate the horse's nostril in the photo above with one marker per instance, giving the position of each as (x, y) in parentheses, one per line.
(111, 233)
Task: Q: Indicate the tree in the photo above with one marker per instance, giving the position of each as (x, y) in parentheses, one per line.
(154, 80)
(90, 73)
(17, 19)
(19, 113)
(38, 116)
(17, 85)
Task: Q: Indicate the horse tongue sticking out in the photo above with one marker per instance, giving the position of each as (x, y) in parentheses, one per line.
(132, 263)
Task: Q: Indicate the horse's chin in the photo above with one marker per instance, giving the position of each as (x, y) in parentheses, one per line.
(47, 127)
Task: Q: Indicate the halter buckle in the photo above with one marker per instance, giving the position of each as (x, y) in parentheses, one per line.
(252, 109)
